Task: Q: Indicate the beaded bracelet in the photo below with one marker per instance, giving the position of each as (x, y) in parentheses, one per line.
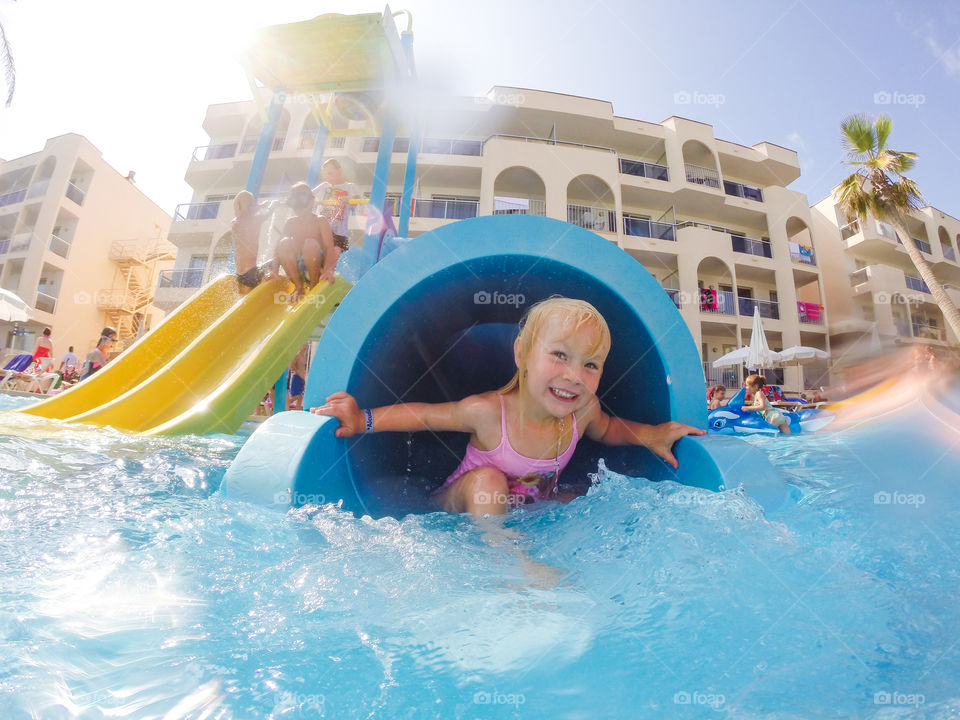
(367, 421)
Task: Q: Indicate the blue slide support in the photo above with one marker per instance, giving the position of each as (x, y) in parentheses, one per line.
(435, 321)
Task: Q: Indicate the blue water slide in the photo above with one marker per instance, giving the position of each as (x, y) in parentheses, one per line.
(435, 320)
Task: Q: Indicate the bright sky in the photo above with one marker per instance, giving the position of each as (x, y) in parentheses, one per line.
(135, 78)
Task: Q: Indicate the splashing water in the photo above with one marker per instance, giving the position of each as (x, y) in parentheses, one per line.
(131, 588)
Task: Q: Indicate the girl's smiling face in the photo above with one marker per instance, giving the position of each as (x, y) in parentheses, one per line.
(563, 366)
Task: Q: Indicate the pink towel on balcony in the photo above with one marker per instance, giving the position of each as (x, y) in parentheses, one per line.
(810, 311)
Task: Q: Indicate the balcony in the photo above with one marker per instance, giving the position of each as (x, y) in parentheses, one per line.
(949, 253)
(188, 278)
(59, 246)
(4, 246)
(718, 302)
(249, 144)
(751, 246)
(748, 192)
(849, 230)
(803, 255)
(429, 146)
(222, 151)
(550, 141)
(45, 303)
(13, 197)
(593, 218)
(809, 313)
(443, 209)
(639, 168)
(519, 206)
(702, 176)
(927, 330)
(769, 309)
(21, 242)
(75, 193)
(644, 227)
(197, 211)
(675, 296)
(915, 283)
(858, 277)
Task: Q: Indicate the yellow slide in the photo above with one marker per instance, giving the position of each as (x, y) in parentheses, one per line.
(219, 377)
(147, 355)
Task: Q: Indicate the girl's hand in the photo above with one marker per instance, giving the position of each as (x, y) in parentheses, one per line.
(663, 436)
(344, 408)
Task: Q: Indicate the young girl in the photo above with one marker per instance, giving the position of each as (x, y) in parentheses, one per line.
(524, 434)
(754, 384)
(716, 396)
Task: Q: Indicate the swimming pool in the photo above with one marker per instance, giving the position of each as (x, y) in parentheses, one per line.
(131, 588)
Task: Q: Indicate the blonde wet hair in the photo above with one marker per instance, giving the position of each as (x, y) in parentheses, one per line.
(575, 314)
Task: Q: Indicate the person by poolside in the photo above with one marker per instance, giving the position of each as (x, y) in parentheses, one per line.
(97, 357)
(298, 374)
(70, 359)
(44, 348)
(247, 221)
(306, 252)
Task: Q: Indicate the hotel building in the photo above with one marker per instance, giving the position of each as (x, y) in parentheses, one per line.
(712, 220)
(80, 244)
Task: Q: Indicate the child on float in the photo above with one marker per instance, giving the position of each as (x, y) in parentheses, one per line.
(754, 384)
(523, 435)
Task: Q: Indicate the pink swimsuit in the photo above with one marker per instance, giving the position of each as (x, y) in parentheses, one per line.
(523, 473)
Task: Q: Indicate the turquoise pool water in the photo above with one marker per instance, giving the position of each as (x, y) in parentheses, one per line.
(131, 588)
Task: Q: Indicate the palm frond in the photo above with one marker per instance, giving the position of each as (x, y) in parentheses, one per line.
(857, 136)
(906, 194)
(9, 69)
(884, 126)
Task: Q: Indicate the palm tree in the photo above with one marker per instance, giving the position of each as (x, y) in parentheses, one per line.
(880, 187)
(9, 70)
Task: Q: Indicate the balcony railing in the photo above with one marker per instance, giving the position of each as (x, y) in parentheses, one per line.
(4, 245)
(597, 219)
(922, 245)
(915, 283)
(511, 206)
(75, 193)
(769, 309)
(59, 246)
(550, 141)
(728, 377)
(886, 229)
(751, 246)
(675, 295)
(927, 330)
(702, 175)
(858, 277)
(39, 188)
(249, 143)
(719, 302)
(803, 254)
(640, 168)
(948, 253)
(46, 303)
(21, 242)
(644, 227)
(850, 229)
(809, 313)
(197, 211)
(188, 278)
(445, 209)
(222, 151)
(430, 146)
(744, 191)
(13, 197)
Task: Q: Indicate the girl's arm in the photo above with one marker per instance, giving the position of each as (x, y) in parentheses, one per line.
(462, 416)
(757, 405)
(659, 439)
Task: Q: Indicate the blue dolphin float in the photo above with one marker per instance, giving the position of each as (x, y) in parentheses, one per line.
(732, 419)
